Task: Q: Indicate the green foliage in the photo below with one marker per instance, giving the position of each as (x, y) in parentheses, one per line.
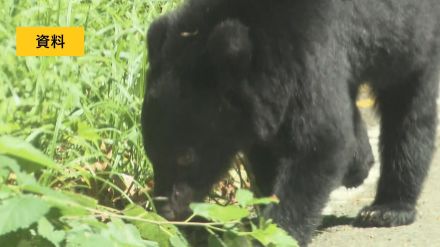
(34, 159)
(271, 235)
(155, 228)
(73, 107)
(266, 233)
(246, 198)
(20, 212)
(40, 215)
(115, 233)
(47, 231)
(219, 213)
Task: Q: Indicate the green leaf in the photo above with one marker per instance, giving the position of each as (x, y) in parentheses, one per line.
(219, 213)
(83, 237)
(133, 136)
(272, 234)
(83, 224)
(80, 199)
(70, 204)
(164, 234)
(244, 197)
(215, 241)
(114, 234)
(23, 238)
(5, 192)
(87, 132)
(28, 157)
(23, 178)
(264, 201)
(231, 239)
(21, 212)
(125, 234)
(9, 164)
(6, 166)
(178, 241)
(46, 230)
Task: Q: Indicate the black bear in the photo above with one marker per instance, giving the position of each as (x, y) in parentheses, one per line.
(277, 80)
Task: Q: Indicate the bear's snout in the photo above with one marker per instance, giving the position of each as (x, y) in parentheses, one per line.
(177, 207)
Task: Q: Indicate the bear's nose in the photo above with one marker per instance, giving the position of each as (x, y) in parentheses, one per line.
(167, 212)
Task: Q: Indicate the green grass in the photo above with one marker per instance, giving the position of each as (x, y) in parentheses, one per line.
(80, 110)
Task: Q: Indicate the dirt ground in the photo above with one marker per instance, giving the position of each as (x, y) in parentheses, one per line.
(345, 204)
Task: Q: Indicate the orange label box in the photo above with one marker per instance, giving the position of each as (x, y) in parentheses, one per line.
(49, 41)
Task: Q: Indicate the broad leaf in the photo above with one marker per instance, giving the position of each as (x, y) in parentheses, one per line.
(125, 234)
(215, 241)
(272, 234)
(80, 199)
(219, 213)
(21, 212)
(5, 193)
(244, 197)
(86, 238)
(231, 239)
(7, 165)
(160, 233)
(178, 241)
(264, 201)
(114, 234)
(28, 157)
(70, 204)
(46, 230)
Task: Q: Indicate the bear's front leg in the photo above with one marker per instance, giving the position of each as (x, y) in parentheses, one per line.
(304, 182)
(363, 159)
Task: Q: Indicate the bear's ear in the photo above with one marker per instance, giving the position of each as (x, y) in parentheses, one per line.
(230, 47)
(156, 37)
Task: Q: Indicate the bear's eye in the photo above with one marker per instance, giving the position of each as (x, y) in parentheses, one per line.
(186, 158)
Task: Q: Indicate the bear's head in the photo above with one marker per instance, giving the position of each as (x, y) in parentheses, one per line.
(194, 119)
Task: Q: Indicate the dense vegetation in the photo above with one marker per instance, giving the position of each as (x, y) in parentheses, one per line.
(72, 167)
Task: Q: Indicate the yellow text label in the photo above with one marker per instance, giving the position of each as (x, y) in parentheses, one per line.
(49, 41)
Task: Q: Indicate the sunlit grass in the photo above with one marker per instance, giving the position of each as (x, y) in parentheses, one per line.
(80, 110)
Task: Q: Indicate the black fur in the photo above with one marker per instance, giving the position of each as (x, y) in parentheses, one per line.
(278, 80)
